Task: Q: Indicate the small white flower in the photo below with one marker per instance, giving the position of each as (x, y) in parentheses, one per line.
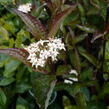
(73, 72)
(44, 9)
(74, 79)
(68, 81)
(25, 7)
(40, 62)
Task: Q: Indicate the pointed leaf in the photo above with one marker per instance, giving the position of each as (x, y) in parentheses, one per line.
(39, 10)
(52, 85)
(2, 97)
(72, 89)
(57, 20)
(4, 33)
(86, 29)
(6, 81)
(20, 54)
(80, 38)
(97, 35)
(75, 59)
(81, 102)
(43, 86)
(17, 53)
(63, 69)
(5, 2)
(88, 56)
(10, 68)
(34, 25)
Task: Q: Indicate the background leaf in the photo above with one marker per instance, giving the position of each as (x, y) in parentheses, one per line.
(7, 81)
(88, 56)
(41, 85)
(2, 97)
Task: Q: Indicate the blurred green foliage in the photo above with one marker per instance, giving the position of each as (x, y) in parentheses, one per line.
(85, 32)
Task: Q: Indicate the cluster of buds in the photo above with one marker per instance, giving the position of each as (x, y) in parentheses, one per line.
(40, 51)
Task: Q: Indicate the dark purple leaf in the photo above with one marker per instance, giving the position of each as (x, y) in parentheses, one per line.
(57, 20)
(17, 53)
(34, 25)
(20, 54)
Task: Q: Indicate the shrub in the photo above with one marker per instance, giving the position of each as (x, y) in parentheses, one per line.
(54, 54)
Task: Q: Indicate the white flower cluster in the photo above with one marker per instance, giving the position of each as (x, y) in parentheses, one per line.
(25, 7)
(40, 51)
(71, 80)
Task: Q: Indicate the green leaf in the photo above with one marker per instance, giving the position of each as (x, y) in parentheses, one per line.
(80, 100)
(95, 22)
(96, 105)
(19, 106)
(72, 89)
(39, 10)
(43, 86)
(82, 13)
(75, 59)
(3, 98)
(55, 105)
(87, 74)
(52, 85)
(81, 9)
(62, 69)
(11, 42)
(105, 90)
(22, 87)
(80, 38)
(22, 103)
(22, 35)
(86, 29)
(5, 2)
(6, 81)
(3, 60)
(107, 50)
(86, 93)
(4, 33)
(71, 18)
(10, 67)
(9, 26)
(88, 56)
